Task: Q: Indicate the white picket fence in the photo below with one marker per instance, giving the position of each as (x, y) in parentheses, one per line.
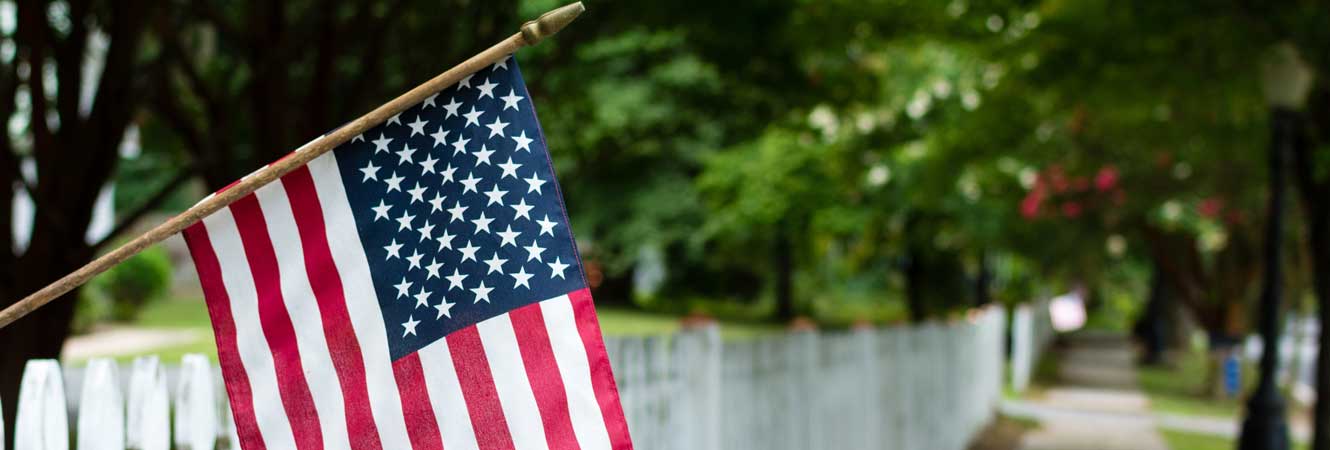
(929, 387)
(1031, 334)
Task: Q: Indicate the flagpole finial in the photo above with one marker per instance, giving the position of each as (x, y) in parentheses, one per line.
(551, 22)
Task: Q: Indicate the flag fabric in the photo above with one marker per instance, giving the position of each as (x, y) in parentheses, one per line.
(417, 287)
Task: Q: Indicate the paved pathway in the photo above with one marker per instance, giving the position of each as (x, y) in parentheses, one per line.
(121, 340)
(1096, 406)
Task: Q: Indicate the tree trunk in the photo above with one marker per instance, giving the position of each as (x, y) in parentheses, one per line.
(1318, 221)
(784, 262)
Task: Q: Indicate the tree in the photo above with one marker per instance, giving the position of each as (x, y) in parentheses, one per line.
(74, 119)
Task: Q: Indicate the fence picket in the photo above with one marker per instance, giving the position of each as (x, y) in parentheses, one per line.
(196, 420)
(101, 408)
(43, 421)
(932, 386)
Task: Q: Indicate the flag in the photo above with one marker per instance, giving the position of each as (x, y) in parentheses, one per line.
(417, 287)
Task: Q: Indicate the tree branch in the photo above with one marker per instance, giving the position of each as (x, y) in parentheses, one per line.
(152, 203)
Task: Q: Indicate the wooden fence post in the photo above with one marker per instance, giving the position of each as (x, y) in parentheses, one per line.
(101, 408)
(43, 418)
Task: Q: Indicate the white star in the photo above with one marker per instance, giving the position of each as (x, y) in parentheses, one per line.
(429, 101)
(483, 156)
(371, 172)
(547, 226)
(404, 222)
(457, 211)
(427, 231)
(396, 118)
(381, 144)
(509, 169)
(414, 259)
(466, 82)
(468, 252)
(394, 249)
(394, 182)
(422, 298)
(521, 210)
(495, 195)
(556, 268)
(459, 147)
(533, 251)
(523, 142)
(508, 237)
(521, 278)
(381, 211)
(436, 203)
(510, 100)
(473, 117)
(482, 292)
(534, 183)
(482, 223)
(455, 280)
(500, 64)
(446, 240)
(405, 154)
(433, 269)
(417, 193)
(447, 174)
(469, 184)
(495, 264)
(359, 138)
(417, 127)
(427, 166)
(486, 89)
(452, 108)
(496, 128)
(440, 137)
(410, 326)
(444, 308)
(403, 288)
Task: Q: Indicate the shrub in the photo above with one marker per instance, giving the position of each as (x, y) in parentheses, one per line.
(132, 284)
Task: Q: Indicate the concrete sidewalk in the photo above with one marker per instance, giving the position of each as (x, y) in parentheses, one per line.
(1096, 405)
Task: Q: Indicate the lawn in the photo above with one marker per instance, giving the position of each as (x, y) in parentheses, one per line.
(191, 314)
(1178, 440)
(1182, 389)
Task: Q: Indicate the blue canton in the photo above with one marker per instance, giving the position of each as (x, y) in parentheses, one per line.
(458, 211)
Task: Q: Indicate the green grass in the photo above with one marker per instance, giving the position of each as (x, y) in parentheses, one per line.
(1178, 440)
(1183, 390)
(192, 314)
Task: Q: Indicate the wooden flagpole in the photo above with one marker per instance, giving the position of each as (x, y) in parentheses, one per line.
(531, 33)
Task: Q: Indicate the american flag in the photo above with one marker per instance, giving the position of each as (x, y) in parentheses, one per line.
(417, 287)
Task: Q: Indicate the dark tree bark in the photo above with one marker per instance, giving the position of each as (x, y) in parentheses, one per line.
(295, 87)
(784, 262)
(74, 156)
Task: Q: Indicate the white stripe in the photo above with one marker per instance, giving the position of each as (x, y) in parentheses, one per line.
(250, 341)
(298, 296)
(571, 356)
(361, 302)
(519, 403)
(445, 396)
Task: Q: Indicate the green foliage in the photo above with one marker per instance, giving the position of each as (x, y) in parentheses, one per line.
(122, 292)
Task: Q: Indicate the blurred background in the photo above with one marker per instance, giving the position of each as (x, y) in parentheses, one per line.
(823, 163)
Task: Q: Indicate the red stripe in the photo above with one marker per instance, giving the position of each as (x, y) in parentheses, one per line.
(421, 425)
(337, 329)
(482, 399)
(602, 376)
(224, 327)
(543, 372)
(276, 323)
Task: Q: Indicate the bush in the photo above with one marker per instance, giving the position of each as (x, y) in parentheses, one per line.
(126, 288)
